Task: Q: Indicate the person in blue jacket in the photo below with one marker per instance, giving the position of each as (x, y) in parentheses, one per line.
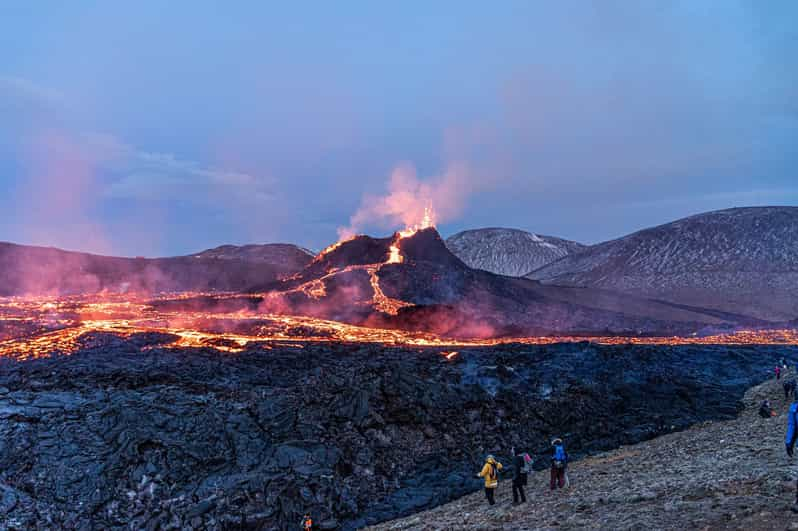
(792, 435)
(559, 463)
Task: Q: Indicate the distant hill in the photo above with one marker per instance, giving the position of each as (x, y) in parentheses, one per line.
(278, 254)
(31, 270)
(741, 260)
(509, 252)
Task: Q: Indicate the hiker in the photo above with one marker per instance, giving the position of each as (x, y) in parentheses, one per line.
(778, 372)
(792, 435)
(519, 477)
(765, 411)
(490, 471)
(789, 388)
(307, 523)
(559, 462)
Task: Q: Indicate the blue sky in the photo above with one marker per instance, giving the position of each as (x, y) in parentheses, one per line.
(161, 128)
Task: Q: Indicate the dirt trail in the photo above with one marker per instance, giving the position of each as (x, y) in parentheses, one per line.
(716, 475)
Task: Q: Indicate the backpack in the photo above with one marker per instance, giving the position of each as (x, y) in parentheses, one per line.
(493, 474)
(527, 464)
(559, 456)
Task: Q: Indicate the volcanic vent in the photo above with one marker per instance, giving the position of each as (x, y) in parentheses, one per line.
(372, 280)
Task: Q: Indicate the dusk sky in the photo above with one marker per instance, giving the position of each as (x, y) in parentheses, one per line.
(162, 128)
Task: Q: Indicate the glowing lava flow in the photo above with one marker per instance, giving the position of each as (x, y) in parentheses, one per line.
(66, 325)
(330, 248)
(382, 302)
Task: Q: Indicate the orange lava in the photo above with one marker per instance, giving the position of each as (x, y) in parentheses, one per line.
(43, 326)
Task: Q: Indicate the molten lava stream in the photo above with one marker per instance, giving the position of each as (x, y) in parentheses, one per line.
(60, 325)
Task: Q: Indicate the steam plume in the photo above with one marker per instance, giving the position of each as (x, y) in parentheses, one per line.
(409, 199)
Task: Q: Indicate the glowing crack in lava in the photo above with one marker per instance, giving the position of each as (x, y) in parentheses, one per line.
(330, 248)
(31, 328)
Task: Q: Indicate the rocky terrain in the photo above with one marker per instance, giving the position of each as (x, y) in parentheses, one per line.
(126, 434)
(716, 475)
(741, 260)
(29, 270)
(510, 252)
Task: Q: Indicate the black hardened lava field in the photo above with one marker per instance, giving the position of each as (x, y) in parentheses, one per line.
(129, 433)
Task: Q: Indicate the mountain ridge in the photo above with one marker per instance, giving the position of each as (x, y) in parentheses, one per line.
(39, 270)
(741, 259)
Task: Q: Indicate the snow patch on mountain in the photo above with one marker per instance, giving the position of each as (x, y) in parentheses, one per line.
(509, 252)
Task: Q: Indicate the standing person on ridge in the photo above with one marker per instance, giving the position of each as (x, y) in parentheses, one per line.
(559, 462)
(789, 388)
(490, 471)
(790, 439)
(519, 477)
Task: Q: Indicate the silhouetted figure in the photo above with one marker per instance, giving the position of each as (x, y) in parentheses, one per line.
(778, 372)
(765, 411)
(789, 388)
(519, 477)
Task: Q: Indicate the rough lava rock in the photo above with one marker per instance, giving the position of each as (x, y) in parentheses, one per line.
(126, 434)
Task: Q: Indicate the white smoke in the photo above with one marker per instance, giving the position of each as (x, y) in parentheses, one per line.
(408, 197)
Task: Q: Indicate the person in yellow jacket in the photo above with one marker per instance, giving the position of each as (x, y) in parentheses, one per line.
(491, 474)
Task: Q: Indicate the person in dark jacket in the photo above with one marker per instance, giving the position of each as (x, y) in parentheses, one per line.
(778, 372)
(792, 435)
(519, 477)
(559, 464)
(789, 388)
(765, 411)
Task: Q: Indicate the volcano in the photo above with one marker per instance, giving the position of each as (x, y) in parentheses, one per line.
(412, 281)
